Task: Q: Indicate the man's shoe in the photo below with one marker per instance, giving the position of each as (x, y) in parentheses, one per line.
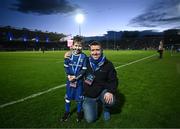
(107, 115)
(65, 117)
(79, 116)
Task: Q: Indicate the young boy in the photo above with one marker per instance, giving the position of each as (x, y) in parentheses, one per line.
(75, 66)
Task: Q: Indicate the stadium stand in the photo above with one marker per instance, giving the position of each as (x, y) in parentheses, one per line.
(15, 39)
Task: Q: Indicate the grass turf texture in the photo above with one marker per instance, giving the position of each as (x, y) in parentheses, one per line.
(149, 91)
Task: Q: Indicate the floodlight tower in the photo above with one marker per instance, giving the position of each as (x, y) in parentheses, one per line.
(79, 19)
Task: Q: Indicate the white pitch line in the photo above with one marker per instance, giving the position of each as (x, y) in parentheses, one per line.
(60, 86)
(31, 96)
(135, 61)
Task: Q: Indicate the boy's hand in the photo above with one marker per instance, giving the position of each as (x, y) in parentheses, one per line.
(71, 78)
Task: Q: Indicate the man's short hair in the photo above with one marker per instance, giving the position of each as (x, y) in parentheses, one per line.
(95, 43)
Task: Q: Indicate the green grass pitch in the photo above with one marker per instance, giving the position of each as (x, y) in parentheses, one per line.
(149, 91)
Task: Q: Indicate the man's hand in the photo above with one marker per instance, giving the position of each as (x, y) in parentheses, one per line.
(67, 54)
(108, 97)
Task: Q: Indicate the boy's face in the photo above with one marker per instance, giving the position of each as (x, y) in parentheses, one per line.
(96, 51)
(77, 47)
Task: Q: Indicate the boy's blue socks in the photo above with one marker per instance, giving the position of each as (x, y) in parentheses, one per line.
(79, 106)
(67, 107)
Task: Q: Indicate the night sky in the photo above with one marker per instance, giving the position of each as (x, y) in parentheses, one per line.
(100, 15)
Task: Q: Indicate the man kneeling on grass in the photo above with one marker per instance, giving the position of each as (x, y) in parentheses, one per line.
(100, 84)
